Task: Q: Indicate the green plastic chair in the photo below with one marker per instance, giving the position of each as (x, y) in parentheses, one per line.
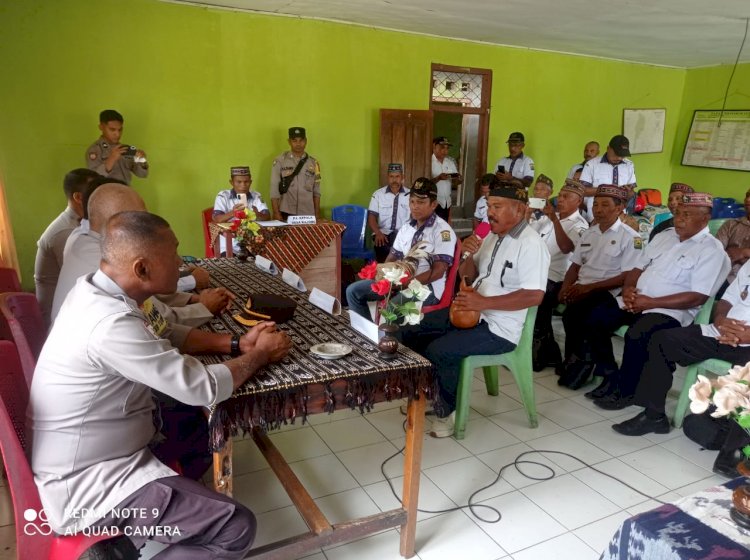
(517, 361)
(714, 225)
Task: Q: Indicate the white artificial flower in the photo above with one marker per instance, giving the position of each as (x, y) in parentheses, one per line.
(700, 395)
(393, 274)
(412, 318)
(740, 373)
(417, 290)
(729, 398)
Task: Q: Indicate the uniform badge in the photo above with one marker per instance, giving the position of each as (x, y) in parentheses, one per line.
(156, 321)
(531, 166)
(638, 243)
(445, 235)
(92, 156)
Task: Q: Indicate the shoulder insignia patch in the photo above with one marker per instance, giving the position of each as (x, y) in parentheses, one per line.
(445, 235)
(638, 243)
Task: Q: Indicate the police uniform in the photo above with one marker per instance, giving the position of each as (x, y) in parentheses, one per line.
(298, 200)
(599, 171)
(391, 211)
(226, 200)
(448, 165)
(124, 167)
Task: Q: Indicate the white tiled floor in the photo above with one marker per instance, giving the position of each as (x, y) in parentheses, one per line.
(572, 516)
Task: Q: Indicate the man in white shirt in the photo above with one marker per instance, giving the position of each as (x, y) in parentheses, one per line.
(611, 169)
(239, 197)
(486, 183)
(590, 151)
(388, 211)
(516, 164)
(602, 258)
(560, 231)
(444, 174)
(90, 405)
(508, 270)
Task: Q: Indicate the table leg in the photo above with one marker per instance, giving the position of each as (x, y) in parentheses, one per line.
(412, 465)
(223, 469)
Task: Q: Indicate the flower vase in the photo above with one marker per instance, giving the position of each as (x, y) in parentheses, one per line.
(243, 253)
(740, 511)
(388, 343)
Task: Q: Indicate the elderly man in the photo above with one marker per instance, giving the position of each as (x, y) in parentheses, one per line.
(516, 164)
(50, 247)
(676, 192)
(612, 169)
(295, 180)
(677, 273)
(90, 407)
(444, 174)
(603, 256)
(735, 237)
(543, 187)
(590, 151)
(388, 211)
(508, 270)
(560, 231)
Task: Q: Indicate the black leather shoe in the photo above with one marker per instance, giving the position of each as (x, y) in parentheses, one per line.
(605, 388)
(614, 402)
(117, 548)
(576, 375)
(641, 425)
(726, 463)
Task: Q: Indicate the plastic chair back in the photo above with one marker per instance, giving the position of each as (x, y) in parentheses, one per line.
(207, 215)
(353, 239)
(21, 321)
(715, 224)
(34, 538)
(9, 280)
(450, 283)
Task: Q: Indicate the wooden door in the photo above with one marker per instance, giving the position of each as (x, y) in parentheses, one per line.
(406, 137)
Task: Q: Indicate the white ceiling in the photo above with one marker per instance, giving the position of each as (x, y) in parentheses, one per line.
(681, 33)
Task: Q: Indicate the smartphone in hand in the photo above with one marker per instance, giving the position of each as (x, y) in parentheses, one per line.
(500, 169)
(243, 198)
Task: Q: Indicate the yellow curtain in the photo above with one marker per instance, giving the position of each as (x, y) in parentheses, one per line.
(8, 255)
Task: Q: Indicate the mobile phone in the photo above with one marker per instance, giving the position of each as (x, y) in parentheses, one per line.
(501, 169)
(243, 198)
(454, 175)
(537, 203)
(130, 152)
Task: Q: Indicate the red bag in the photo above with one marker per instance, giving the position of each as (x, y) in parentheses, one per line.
(651, 196)
(640, 203)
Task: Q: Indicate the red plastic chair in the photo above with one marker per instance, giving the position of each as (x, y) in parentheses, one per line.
(34, 538)
(21, 321)
(450, 283)
(207, 216)
(9, 280)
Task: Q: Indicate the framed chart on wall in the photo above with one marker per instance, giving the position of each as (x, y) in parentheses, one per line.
(718, 144)
(645, 129)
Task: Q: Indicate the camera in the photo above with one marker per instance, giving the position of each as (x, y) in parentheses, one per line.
(130, 152)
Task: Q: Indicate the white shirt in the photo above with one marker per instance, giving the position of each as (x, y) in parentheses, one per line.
(520, 167)
(441, 246)
(575, 168)
(391, 210)
(90, 406)
(604, 255)
(448, 165)
(740, 309)
(226, 200)
(480, 210)
(519, 261)
(573, 226)
(669, 266)
(599, 171)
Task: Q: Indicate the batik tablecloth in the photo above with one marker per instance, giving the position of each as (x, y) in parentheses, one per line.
(279, 393)
(697, 527)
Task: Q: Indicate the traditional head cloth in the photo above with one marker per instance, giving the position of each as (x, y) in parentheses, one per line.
(395, 168)
(681, 187)
(614, 191)
(698, 199)
(576, 187)
(239, 171)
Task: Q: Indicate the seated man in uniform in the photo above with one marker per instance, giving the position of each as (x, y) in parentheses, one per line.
(734, 235)
(508, 270)
(560, 231)
(229, 200)
(677, 273)
(676, 192)
(108, 157)
(427, 227)
(603, 256)
(90, 405)
(49, 253)
(486, 183)
(543, 187)
(388, 211)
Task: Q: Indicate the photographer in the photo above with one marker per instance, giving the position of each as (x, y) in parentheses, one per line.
(108, 157)
(295, 180)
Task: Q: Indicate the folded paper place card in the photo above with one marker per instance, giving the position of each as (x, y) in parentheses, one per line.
(301, 220)
(293, 280)
(266, 265)
(326, 302)
(270, 223)
(364, 326)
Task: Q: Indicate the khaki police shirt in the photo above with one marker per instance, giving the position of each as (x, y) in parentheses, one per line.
(298, 200)
(96, 157)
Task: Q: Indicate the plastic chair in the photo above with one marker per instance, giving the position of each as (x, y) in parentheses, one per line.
(9, 280)
(353, 240)
(21, 321)
(714, 225)
(450, 283)
(34, 538)
(518, 362)
(712, 365)
(207, 215)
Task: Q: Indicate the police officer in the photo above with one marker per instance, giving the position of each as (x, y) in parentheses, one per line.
(677, 273)
(676, 192)
(108, 157)
(388, 210)
(229, 200)
(295, 180)
(613, 168)
(600, 262)
(516, 164)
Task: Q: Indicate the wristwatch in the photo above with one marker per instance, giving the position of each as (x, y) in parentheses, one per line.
(235, 346)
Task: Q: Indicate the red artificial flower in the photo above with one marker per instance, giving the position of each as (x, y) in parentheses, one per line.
(405, 280)
(235, 224)
(239, 214)
(368, 271)
(381, 287)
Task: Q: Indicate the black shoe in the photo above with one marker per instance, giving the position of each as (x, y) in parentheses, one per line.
(614, 402)
(538, 359)
(116, 548)
(605, 388)
(641, 425)
(576, 375)
(726, 463)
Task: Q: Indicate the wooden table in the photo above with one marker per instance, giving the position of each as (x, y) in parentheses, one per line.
(311, 251)
(303, 384)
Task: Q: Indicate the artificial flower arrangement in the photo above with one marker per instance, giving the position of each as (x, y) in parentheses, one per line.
(244, 225)
(729, 393)
(389, 278)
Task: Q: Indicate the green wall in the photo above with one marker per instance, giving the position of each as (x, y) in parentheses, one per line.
(204, 89)
(704, 89)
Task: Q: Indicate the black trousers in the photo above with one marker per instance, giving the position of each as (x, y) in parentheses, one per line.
(589, 324)
(381, 253)
(543, 323)
(683, 346)
(442, 212)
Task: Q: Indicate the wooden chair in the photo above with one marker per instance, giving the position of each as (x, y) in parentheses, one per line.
(206, 216)
(21, 321)
(517, 361)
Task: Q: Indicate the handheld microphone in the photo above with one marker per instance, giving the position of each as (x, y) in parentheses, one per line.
(482, 231)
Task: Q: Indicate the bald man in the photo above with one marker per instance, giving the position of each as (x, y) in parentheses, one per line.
(90, 406)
